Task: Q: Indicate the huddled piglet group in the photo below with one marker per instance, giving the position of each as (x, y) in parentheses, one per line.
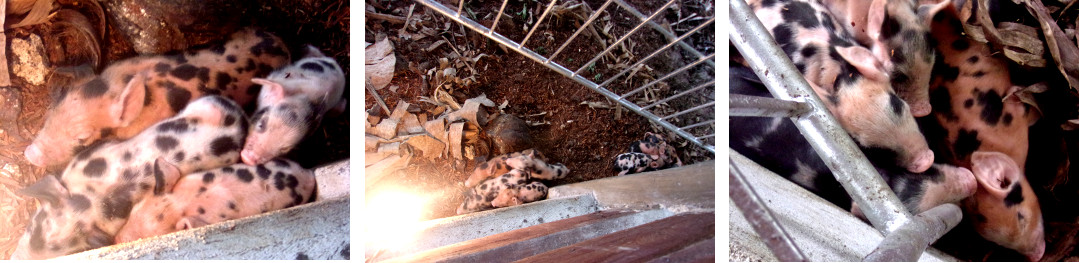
(509, 180)
(869, 60)
(153, 144)
(650, 154)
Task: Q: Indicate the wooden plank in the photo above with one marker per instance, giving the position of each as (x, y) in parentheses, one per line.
(704, 251)
(636, 244)
(536, 239)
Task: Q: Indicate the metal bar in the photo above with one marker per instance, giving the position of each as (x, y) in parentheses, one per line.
(761, 218)
(565, 72)
(538, 22)
(460, 6)
(662, 30)
(680, 94)
(823, 132)
(745, 105)
(695, 125)
(706, 136)
(909, 241)
(579, 30)
(657, 52)
(622, 39)
(709, 104)
(676, 72)
(499, 16)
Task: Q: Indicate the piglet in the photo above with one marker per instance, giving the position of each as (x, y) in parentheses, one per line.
(852, 82)
(291, 103)
(527, 193)
(497, 166)
(1005, 209)
(479, 198)
(208, 197)
(92, 199)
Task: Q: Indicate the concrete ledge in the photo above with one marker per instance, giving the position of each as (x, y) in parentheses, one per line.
(450, 230)
(317, 230)
(529, 241)
(821, 230)
(689, 188)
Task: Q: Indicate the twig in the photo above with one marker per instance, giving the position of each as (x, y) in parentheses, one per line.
(378, 98)
(5, 74)
(384, 17)
(407, 18)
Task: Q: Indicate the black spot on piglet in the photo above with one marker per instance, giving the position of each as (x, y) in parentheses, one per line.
(95, 88)
(262, 171)
(312, 66)
(223, 145)
(95, 167)
(245, 175)
(1015, 196)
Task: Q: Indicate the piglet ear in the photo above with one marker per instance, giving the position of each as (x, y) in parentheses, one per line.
(927, 11)
(165, 176)
(995, 172)
(272, 92)
(312, 52)
(863, 59)
(47, 189)
(190, 222)
(875, 18)
(131, 101)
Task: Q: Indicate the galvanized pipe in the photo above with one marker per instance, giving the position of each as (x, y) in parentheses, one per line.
(657, 52)
(622, 39)
(662, 30)
(711, 83)
(538, 22)
(502, 40)
(823, 132)
(579, 30)
(708, 58)
(754, 106)
(909, 241)
(761, 218)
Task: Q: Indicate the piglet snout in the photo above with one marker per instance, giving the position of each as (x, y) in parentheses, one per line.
(920, 109)
(249, 157)
(34, 155)
(921, 162)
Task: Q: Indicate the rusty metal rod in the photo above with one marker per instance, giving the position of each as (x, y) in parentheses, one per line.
(761, 218)
(909, 241)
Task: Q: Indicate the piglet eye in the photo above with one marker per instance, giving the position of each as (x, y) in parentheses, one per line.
(261, 125)
(288, 74)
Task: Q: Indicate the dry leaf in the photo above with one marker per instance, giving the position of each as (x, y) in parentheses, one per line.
(379, 62)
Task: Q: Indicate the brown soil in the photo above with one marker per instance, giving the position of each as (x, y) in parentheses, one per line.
(585, 139)
(323, 24)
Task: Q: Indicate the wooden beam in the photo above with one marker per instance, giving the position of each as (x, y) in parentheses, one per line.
(645, 242)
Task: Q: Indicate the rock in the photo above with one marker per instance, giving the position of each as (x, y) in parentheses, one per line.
(509, 134)
(29, 60)
(155, 27)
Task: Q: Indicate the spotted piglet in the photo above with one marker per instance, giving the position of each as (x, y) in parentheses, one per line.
(855, 87)
(655, 145)
(292, 102)
(897, 32)
(135, 93)
(218, 195)
(527, 193)
(479, 198)
(497, 166)
(86, 206)
(777, 144)
(535, 165)
(635, 162)
(976, 124)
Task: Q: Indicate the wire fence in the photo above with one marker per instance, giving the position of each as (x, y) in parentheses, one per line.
(658, 64)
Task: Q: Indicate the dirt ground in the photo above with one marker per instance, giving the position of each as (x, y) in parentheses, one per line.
(584, 138)
(323, 24)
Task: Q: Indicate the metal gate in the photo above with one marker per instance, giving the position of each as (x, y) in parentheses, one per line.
(906, 236)
(698, 129)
